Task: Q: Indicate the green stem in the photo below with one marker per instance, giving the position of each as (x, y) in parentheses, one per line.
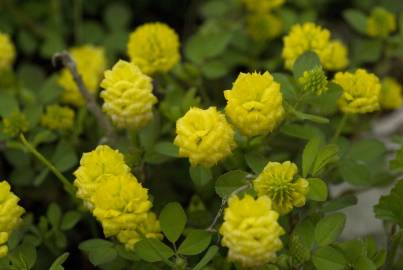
(340, 127)
(393, 246)
(66, 183)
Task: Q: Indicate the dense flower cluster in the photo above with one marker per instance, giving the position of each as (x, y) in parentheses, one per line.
(154, 47)
(361, 91)
(128, 97)
(311, 37)
(15, 123)
(7, 50)
(254, 104)
(314, 81)
(204, 136)
(58, 117)
(90, 62)
(391, 94)
(251, 231)
(278, 182)
(264, 26)
(381, 23)
(10, 215)
(115, 197)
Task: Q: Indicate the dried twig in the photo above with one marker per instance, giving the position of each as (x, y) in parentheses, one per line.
(67, 61)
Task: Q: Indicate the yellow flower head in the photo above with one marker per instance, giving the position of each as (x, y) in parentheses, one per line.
(391, 94)
(314, 81)
(7, 51)
(251, 231)
(361, 91)
(10, 215)
(58, 118)
(95, 168)
(15, 123)
(128, 96)
(255, 103)
(204, 136)
(121, 203)
(262, 6)
(311, 37)
(381, 23)
(90, 63)
(150, 228)
(154, 47)
(278, 181)
(263, 26)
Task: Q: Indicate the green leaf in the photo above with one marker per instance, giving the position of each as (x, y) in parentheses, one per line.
(99, 251)
(327, 154)
(70, 219)
(309, 154)
(117, 16)
(317, 190)
(57, 264)
(8, 104)
(363, 263)
(24, 256)
(64, 157)
(214, 69)
(354, 172)
(329, 228)
(210, 254)
(227, 183)
(54, 215)
(153, 250)
(389, 207)
(195, 242)
(397, 162)
(328, 258)
(310, 117)
(339, 203)
(149, 134)
(200, 175)
(256, 161)
(287, 88)
(50, 90)
(167, 148)
(305, 131)
(366, 51)
(356, 19)
(173, 221)
(305, 62)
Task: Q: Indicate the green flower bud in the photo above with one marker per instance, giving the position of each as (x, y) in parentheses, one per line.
(15, 124)
(314, 81)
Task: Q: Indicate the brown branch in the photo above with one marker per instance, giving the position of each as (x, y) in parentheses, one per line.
(67, 61)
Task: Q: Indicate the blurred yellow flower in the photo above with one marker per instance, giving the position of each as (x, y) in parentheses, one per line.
(391, 94)
(254, 104)
(361, 91)
(251, 231)
(154, 47)
(90, 62)
(278, 182)
(7, 51)
(381, 22)
(204, 136)
(58, 118)
(263, 26)
(128, 97)
(311, 37)
(10, 215)
(262, 6)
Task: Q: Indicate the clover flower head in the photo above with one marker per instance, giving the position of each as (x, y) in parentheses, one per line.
(263, 26)
(15, 123)
(128, 97)
(90, 62)
(391, 94)
(7, 50)
(204, 136)
(278, 182)
(381, 22)
(314, 81)
(58, 117)
(255, 103)
(250, 230)
(154, 47)
(361, 91)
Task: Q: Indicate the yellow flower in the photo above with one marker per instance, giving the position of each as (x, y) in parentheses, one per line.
(314, 81)
(361, 91)
(58, 118)
(7, 51)
(255, 103)
(277, 181)
(311, 37)
(150, 228)
(15, 123)
(128, 97)
(121, 203)
(204, 136)
(10, 215)
(262, 6)
(391, 94)
(381, 22)
(263, 26)
(251, 231)
(95, 168)
(90, 63)
(154, 47)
